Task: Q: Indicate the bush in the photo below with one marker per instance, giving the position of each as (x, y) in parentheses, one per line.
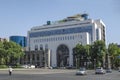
(3, 66)
(16, 66)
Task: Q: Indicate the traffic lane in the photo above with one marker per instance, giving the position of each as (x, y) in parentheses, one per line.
(68, 75)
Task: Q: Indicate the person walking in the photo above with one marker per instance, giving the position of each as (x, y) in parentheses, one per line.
(10, 70)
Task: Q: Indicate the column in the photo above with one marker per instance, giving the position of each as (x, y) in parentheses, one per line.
(49, 58)
(70, 57)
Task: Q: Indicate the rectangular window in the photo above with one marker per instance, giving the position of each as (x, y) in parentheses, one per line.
(62, 31)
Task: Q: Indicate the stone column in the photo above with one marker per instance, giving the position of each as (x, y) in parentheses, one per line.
(70, 57)
(49, 58)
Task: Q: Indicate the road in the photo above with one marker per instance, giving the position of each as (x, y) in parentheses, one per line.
(55, 74)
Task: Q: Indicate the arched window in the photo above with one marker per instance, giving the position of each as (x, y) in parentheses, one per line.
(62, 56)
(36, 47)
(41, 47)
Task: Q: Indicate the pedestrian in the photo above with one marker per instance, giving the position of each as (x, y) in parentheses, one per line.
(10, 70)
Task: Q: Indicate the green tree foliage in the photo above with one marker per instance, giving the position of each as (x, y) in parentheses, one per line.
(82, 53)
(114, 52)
(10, 52)
(2, 55)
(94, 53)
(98, 52)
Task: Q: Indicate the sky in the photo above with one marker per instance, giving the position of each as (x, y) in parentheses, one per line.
(19, 16)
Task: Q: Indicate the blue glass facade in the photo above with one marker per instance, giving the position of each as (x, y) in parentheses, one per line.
(21, 40)
(62, 31)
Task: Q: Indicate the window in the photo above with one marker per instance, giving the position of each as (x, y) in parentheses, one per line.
(36, 47)
(58, 38)
(62, 31)
(46, 46)
(70, 37)
(41, 47)
(65, 37)
(73, 37)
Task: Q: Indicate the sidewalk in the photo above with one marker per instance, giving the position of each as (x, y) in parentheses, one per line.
(19, 69)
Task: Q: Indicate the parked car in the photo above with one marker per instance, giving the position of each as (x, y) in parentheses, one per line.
(24, 66)
(99, 70)
(32, 66)
(119, 69)
(109, 70)
(81, 71)
(28, 66)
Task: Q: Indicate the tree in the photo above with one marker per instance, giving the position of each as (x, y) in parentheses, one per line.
(94, 53)
(114, 52)
(12, 52)
(98, 52)
(81, 53)
(2, 55)
(87, 55)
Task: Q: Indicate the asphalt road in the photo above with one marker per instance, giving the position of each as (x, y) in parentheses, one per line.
(55, 74)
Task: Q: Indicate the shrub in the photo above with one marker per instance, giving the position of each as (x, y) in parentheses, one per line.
(3, 66)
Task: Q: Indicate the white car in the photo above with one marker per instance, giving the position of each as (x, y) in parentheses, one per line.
(32, 66)
(99, 70)
(24, 66)
(28, 66)
(81, 71)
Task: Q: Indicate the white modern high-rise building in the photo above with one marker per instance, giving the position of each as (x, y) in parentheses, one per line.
(60, 37)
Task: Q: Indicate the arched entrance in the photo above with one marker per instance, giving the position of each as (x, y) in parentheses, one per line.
(62, 56)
